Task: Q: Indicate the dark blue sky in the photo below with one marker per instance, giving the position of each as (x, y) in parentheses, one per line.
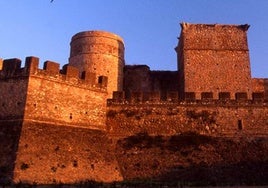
(149, 27)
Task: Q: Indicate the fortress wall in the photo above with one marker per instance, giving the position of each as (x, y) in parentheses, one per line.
(9, 140)
(65, 98)
(170, 118)
(13, 96)
(49, 154)
(223, 98)
(139, 78)
(136, 79)
(164, 81)
(13, 89)
(214, 58)
(215, 71)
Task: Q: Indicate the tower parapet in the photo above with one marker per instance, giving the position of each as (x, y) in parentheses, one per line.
(101, 53)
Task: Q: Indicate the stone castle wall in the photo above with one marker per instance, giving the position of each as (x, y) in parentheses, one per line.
(49, 96)
(209, 117)
(139, 78)
(13, 89)
(101, 53)
(49, 119)
(214, 58)
(50, 154)
(65, 98)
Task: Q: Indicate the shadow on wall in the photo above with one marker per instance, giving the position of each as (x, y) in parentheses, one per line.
(193, 159)
(187, 159)
(9, 140)
(13, 90)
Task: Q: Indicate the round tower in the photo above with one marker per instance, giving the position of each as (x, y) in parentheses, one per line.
(102, 53)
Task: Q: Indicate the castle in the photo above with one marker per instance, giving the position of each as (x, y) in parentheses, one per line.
(64, 122)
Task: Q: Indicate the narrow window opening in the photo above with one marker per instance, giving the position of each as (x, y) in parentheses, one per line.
(71, 116)
(239, 124)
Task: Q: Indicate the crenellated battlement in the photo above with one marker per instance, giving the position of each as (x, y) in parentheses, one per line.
(11, 68)
(223, 98)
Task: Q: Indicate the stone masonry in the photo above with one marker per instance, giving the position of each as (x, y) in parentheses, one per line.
(63, 125)
(214, 58)
(101, 53)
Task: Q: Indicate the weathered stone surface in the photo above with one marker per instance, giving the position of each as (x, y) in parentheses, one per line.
(193, 159)
(203, 118)
(67, 102)
(13, 94)
(9, 140)
(48, 153)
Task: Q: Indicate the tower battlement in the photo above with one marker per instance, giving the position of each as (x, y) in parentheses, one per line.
(11, 68)
(207, 98)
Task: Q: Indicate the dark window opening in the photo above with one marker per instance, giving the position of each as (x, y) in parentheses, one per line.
(239, 124)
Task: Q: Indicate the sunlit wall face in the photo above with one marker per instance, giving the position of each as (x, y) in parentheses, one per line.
(101, 53)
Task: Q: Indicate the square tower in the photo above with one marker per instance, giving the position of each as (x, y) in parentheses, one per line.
(213, 58)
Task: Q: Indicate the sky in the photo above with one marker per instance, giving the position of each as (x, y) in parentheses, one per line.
(149, 27)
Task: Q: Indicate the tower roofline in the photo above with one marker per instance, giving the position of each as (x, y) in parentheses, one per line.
(97, 33)
(185, 25)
